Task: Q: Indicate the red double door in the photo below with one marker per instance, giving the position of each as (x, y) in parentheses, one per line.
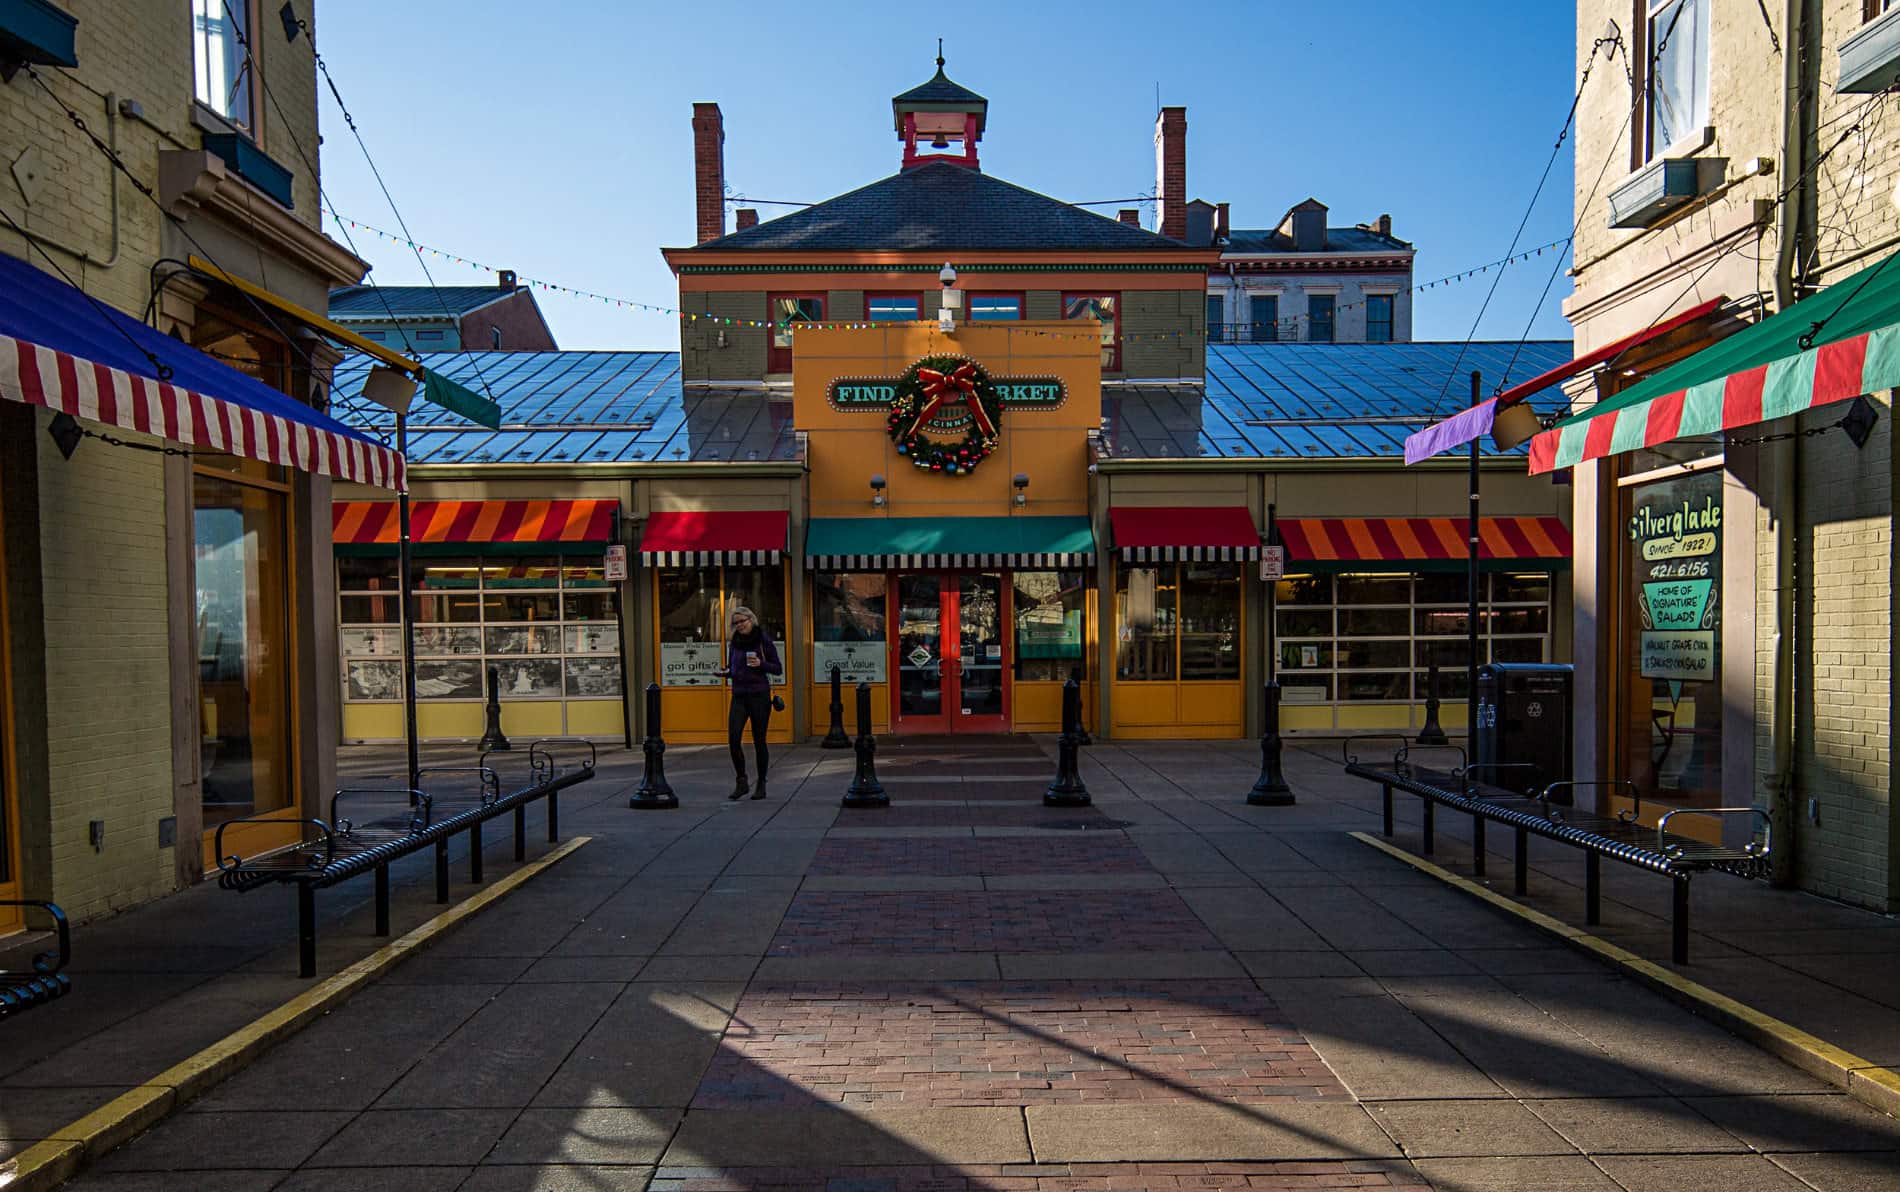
(951, 653)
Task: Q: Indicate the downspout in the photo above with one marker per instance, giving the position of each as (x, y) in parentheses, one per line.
(1785, 458)
(84, 255)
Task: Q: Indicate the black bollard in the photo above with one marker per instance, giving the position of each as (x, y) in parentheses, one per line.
(654, 793)
(1432, 733)
(1081, 734)
(836, 738)
(493, 739)
(1068, 790)
(865, 790)
(1270, 789)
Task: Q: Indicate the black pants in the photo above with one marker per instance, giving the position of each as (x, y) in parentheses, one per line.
(755, 706)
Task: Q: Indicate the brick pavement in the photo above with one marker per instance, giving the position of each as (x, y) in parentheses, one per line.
(907, 922)
(1081, 852)
(1044, 1177)
(1015, 1043)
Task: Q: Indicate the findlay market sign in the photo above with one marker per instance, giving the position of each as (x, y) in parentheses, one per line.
(877, 393)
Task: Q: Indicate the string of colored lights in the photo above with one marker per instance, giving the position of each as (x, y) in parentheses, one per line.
(729, 321)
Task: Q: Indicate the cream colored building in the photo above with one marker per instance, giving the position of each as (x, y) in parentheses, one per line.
(1747, 159)
(169, 644)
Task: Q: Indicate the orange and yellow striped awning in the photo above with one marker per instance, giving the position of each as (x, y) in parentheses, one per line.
(374, 523)
(1421, 539)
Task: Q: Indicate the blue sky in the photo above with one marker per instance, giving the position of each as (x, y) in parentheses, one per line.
(561, 147)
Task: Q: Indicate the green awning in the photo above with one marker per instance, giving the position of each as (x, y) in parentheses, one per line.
(863, 543)
(1763, 372)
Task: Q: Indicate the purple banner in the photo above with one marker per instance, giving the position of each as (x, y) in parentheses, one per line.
(1455, 431)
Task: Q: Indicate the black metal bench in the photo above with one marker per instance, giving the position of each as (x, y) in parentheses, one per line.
(1620, 837)
(21, 991)
(370, 827)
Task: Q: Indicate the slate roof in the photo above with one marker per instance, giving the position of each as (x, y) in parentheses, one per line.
(1314, 401)
(1261, 401)
(939, 206)
(410, 302)
(1342, 240)
(940, 89)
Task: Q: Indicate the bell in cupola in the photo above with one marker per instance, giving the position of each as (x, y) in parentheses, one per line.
(939, 121)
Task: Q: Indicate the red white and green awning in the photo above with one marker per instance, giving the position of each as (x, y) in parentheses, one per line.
(1756, 375)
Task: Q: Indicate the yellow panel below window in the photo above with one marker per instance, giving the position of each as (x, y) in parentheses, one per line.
(1212, 703)
(245, 840)
(1138, 704)
(1306, 717)
(820, 707)
(372, 722)
(596, 718)
(697, 716)
(461, 722)
(1359, 717)
(1038, 707)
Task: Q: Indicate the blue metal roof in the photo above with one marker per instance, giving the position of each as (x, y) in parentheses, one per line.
(1260, 401)
(410, 302)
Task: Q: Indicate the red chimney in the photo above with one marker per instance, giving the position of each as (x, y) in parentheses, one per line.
(1384, 225)
(1220, 221)
(1130, 216)
(748, 218)
(1171, 172)
(709, 170)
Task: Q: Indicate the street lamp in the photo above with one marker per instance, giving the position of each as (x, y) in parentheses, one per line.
(394, 390)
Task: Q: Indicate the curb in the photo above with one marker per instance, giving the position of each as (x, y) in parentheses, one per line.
(63, 1152)
(1861, 1079)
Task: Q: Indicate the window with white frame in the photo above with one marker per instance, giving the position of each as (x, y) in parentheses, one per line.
(220, 60)
(1677, 75)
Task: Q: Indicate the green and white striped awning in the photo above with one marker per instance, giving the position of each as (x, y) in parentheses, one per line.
(921, 543)
(1833, 346)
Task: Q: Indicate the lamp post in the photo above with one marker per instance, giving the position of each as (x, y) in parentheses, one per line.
(394, 391)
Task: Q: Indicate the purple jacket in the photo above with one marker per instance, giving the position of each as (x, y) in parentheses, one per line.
(752, 679)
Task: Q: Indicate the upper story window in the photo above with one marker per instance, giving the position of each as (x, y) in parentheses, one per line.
(996, 306)
(1263, 313)
(1216, 317)
(1378, 318)
(1677, 83)
(221, 67)
(788, 309)
(893, 308)
(1319, 318)
(1869, 9)
(1103, 307)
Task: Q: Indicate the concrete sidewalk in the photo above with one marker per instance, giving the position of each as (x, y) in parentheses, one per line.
(966, 990)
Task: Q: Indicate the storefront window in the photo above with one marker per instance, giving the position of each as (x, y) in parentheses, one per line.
(549, 627)
(1210, 621)
(695, 606)
(1050, 609)
(241, 561)
(848, 626)
(1672, 650)
(1144, 630)
(1383, 632)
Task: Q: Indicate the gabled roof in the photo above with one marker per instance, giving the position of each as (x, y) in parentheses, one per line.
(939, 206)
(940, 89)
(1340, 240)
(411, 302)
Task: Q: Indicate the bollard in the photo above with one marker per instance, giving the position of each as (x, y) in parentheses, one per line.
(836, 738)
(1432, 733)
(653, 793)
(1068, 790)
(1081, 734)
(865, 790)
(493, 739)
(1270, 789)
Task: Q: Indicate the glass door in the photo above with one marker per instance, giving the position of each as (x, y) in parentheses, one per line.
(952, 658)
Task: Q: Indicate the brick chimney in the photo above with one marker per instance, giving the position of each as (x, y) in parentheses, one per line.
(1130, 216)
(505, 281)
(709, 171)
(1383, 225)
(1171, 172)
(748, 218)
(1220, 222)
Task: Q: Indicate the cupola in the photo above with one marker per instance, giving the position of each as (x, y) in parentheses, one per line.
(939, 115)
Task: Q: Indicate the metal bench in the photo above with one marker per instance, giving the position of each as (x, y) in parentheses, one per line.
(22, 991)
(1620, 837)
(370, 827)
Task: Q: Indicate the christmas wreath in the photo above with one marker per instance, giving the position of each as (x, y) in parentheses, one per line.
(930, 393)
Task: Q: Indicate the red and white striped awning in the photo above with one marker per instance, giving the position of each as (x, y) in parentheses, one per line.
(1184, 533)
(703, 538)
(553, 523)
(62, 351)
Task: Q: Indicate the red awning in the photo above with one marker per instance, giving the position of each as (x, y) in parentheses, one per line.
(1195, 533)
(706, 537)
(362, 523)
(1420, 539)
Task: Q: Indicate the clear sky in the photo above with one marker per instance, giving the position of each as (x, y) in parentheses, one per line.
(554, 138)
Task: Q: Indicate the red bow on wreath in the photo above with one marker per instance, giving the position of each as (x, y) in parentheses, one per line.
(938, 386)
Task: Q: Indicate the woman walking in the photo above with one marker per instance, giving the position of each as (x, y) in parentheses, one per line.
(751, 660)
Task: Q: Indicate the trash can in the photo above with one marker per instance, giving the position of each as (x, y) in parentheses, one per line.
(1524, 725)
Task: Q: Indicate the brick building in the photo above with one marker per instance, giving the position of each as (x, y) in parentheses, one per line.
(1103, 517)
(503, 317)
(1729, 268)
(167, 616)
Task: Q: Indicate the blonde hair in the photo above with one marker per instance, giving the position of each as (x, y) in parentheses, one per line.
(740, 610)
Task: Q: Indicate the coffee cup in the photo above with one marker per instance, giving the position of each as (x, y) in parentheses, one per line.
(752, 658)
